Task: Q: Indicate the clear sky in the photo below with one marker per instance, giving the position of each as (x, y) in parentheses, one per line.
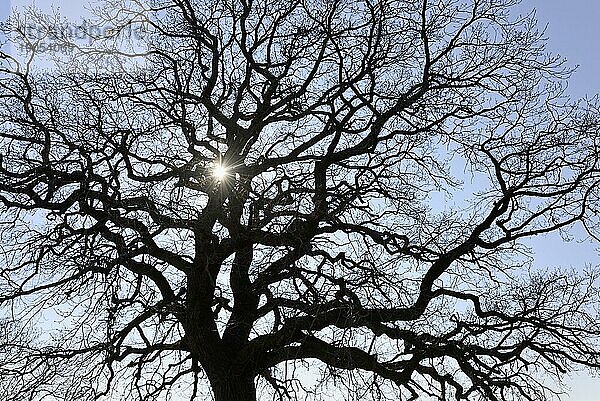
(574, 32)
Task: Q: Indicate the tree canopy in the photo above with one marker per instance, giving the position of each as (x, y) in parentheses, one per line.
(292, 199)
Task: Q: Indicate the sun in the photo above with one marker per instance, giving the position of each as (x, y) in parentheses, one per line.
(220, 171)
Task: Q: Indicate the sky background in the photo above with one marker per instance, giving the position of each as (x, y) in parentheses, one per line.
(573, 29)
(574, 32)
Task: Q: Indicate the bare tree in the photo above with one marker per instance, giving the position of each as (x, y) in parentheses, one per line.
(292, 199)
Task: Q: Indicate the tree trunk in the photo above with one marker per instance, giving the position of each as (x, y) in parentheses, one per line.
(234, 388)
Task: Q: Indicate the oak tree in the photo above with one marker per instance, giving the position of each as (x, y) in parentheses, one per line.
(292, 199)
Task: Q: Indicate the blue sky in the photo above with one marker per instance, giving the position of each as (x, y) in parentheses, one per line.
(4, 10)
(573, 32)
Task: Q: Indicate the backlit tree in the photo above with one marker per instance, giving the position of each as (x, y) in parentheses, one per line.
(284, 199)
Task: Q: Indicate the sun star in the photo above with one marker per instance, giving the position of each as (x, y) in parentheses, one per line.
(220, 171)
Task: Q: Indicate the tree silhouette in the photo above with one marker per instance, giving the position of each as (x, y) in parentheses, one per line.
(292, 200)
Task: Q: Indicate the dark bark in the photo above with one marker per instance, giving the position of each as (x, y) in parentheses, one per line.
(234, 388)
